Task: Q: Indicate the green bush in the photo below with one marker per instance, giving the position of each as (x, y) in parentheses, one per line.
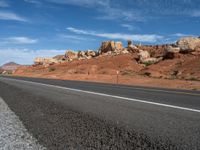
(148, 63)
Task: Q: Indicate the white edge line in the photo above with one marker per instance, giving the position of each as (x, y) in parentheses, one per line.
(113, 96)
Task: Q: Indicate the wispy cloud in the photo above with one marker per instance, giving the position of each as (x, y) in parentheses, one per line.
(138, 10)
(11, 16)
(26, 56)
(172, 38)
(37, 2)
(111, 13)
(3, 3)
(151, 38)
(19, 40)
(196, 13)
(118, 10)
(106, 9)
(181, 35)
(130, 27)
(83, 3)
(75, 38)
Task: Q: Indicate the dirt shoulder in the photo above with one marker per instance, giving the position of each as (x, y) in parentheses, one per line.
(125, 80)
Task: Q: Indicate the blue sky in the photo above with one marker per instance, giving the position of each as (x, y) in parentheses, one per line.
(32, 28)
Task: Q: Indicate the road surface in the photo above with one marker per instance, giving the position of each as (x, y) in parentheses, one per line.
(83, 115)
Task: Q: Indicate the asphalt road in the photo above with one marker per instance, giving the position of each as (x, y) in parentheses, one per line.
(82, 115)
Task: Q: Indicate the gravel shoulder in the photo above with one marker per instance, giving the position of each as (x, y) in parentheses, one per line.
(13, 134)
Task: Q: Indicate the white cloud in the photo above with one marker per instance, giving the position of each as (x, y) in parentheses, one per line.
(11, 16)
(19, 40)
(25, 56)
(3, 3)
(151, 38)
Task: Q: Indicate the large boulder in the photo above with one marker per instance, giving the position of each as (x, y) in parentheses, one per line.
(90, 53)
(111, 47)
(171, 52)
(81, 55)
(131, 47)
(118, 46)
(86, 54)
(71, 55)
(171, 49)
(143, 55)
(145, 58)
(151, 60)
(188, 44)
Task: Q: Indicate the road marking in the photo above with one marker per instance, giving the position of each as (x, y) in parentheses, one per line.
(112, 96)
(165, 91)
(144, 89)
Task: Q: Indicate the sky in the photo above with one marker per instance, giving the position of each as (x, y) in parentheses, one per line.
(45, 28)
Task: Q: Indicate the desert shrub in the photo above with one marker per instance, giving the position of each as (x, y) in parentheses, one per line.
(147, 74)
(193, 79)
(51, 69)
(9, 72)
(174, 73)
(148, 63)
(127, 72)
(104, 72)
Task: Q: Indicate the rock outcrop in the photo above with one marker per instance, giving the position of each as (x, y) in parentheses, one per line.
(45, 61)
(109, 47)
(86, 54)
(71, 55)
(188, 44)
(60, 57)
(145, 54)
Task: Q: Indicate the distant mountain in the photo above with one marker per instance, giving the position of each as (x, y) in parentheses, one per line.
(11, 66)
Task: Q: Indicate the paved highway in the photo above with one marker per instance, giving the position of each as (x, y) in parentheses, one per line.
(83, 115)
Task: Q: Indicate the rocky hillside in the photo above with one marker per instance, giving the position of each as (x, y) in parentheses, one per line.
(180, 60)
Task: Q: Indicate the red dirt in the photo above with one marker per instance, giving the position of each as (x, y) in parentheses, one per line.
(170, 73)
